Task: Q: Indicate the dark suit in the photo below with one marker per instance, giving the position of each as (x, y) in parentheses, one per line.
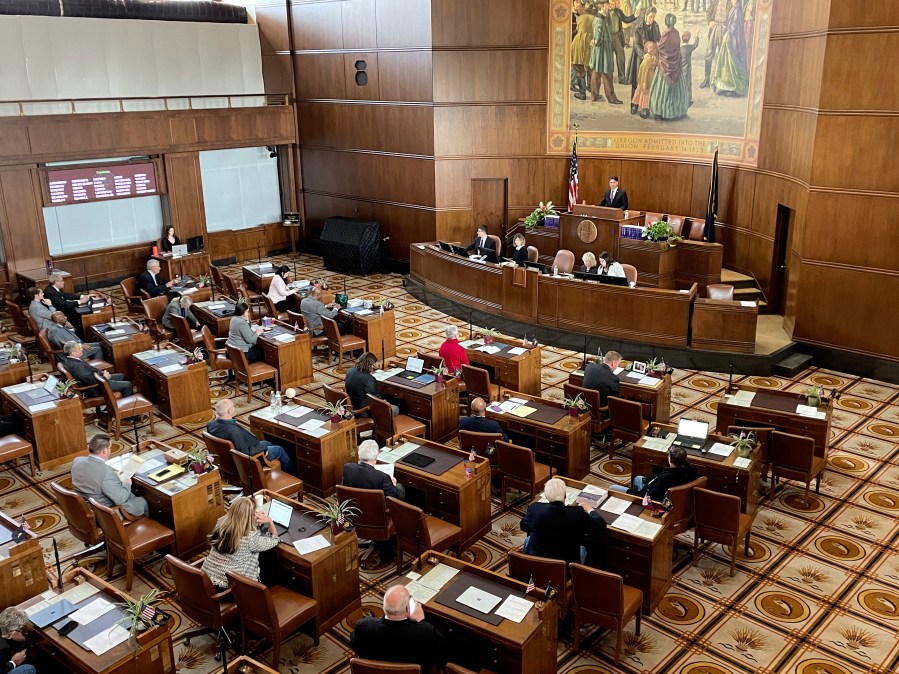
(8, 648)
(487, 244)
(64, 302)
(589, 270)
(153, 288)
(600, 378)
(399, 641)
(620, 200)
(84, 375)
(481, 425)
(558, 531)
(658, 485)
(366, 476)
(520, 255)
(247, 443)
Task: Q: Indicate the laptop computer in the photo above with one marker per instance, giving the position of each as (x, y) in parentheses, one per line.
(52, 613)
(50, 384)
(445, 246)
(414, 364)
(280, 513)
(691, 434)
(179, 250)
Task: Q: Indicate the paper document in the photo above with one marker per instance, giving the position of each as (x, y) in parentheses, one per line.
(658, 444)
(592, 495)
(721, 449)
(114, 333)
(92, 611)
(107, 639)
(439, 576)
(648, 381)
(742, 462)
(514, 608)
(742, 398)
(216, 306)
(311, 544)
(489, 348)
(517, 351)
(647, 529)
(76, 594)
(412, 575)
(634, 375)
(364, 312)
(311, 425)
(405, 448)
(171, 368)
(386, 468)
(133, 465)
(802, 410)
(315, 432)
(520, 401)
(285, 337)
(469, 342)
(298, 411)
(42, 407)
(150, 465)
(18, 388)
(745, 303)
(615, 505)
(508, 405)
(421, 593)
(627, 522)
(618, 370)
(522, 411)
(479, 600)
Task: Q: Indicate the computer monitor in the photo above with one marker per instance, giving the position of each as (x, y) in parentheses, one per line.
(489, 255)
(693, 428)
(539, 266)
(612, 280)
(194, 244)
(445, 246)
(459, 250)
(585, 276)
(180, 249)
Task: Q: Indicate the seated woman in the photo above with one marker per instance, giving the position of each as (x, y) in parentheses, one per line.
(243, 336)
(236, 542)
(608, 266)
(169, 239)
(589, 266)
(278, 291)
(519, 250)
(677, 473)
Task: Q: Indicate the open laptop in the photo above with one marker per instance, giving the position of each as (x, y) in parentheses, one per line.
(691, 434)
(50, 384)
(415, 364)
(445, 246)
(488, 255)
(280, 513)
(179, 250)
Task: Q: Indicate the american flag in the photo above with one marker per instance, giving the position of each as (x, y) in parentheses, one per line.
(340, 519)
(531, 585)
(472, 455)
(572, 178)
(148, 613)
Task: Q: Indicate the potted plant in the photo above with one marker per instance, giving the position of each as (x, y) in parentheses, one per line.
(438, 371)
(337, 411)
(576, 405)
(205, 280)
(140, 614)
(539, 215)
(64, 388)
(339, 515)
(657, 367)
(198, 460)
(663, 232)
(195, 356)
(322, 283)
(385, 305)
(489, 334)
(745, 444)
(813, 395)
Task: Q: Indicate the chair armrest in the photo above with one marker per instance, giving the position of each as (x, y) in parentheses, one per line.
(360, 410)
(269, 464)
(127, 518)
(221, 595)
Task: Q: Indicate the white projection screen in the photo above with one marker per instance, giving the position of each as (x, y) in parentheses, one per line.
(240, 188)
(75, 228)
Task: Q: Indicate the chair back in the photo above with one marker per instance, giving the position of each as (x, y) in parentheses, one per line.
(625, 415)
(469, 440)
(720, 291)
(113, 528)
(271, 308)
(230, 287)
(598, 594)
(214, 357)
(697, 227)
(131, 293)
(195, 593)
(431, 360)
(106, 393)
(222, 450)
(44, 346)
(335, 396)
(499, 244)
(249, 472)
(630, 273)
(32, 325)
(564, 260)
(18, 319)
(716, 516)
(183, 331)
(408, 520)
(516, 462)
(543, 570)
(332, 332)
(363, 666)
(681, 513)
(677, 225)
(794, 453)
(238, 360)
(373, 521)
(477, 382)
(80, 518)
(154, 308)
(254, 602)
(590, 395)
(296, 318)
(533, 254)
(382, 414)
(216, 277)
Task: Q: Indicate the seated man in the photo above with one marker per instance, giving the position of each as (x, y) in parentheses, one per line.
(601, 377)
(313, 309)
(226, 428)
(402, 635)
(151, 282)
(60, 332)
(63, 301)
(364, 475)
(360, 382)
(677, 473)
(180, 306)
(86, 374)
(559, 531)
(40, 308)
(93, 479)
(13, 647)
(454, 356)
(482, 242)
(478, 422)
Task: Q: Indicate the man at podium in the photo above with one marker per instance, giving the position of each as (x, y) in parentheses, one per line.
(614, 197)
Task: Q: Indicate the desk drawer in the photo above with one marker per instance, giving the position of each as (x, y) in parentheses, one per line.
(308, 455)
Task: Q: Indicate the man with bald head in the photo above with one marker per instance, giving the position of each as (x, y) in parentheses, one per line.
(478, 421)
(314, 309)
(227, 428)
(402, 635)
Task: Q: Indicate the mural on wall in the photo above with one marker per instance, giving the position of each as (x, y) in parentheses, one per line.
(658, 78)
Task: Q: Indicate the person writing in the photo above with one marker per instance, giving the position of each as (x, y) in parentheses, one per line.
(519, 250)
(243, 336)
(226, 428)
(482, 242)
(169, 240)
(364, 475)
(608, 266)
(614, 197)
(589, 266)
(454, 356)
(278, 292)
(601, 377)
(94, 479)
(235, 542)
(12, 642)
(677, 473)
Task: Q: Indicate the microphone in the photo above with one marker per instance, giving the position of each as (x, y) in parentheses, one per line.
(58, 565)
(470, 333)
(382, 352)
(292, 328)
(499, 384)
(584, 366)
(730, 378)
(259, 254)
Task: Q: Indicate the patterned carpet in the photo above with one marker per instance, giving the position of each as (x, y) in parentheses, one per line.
(819, 593)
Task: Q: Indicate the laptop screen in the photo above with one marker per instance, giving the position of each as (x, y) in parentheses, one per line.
(692, 428)
(414, 364)
(180, 249)
(280, 512)
(50, 384)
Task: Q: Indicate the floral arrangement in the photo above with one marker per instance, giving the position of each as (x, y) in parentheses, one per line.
(339, 515)
(661, 231)
(198, 459)
(657, 365)
(813, 394)
(745, 443)
(577, 403)
(337, 411)
(385, 304)
(196, 356)
(322, 283)
(139, 615)
(539, 215)
(64, 388)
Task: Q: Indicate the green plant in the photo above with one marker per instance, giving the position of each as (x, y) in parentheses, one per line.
(439, 369)
(656, 365)
(63, 388)
(197, 455)
(339, 512)
(340, 409)
(539, 214)
(661, 231)
(205, 279)
(137, 613)
(577, 403)
(813, 394)
(744, 442)
(385, 304)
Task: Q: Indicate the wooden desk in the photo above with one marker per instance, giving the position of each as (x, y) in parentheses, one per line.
(528, 647)
(149, 653)
(657, 397)
(119, 348)
(291, 357)
(437, 405)
(218, 325)
(724, 325)
(723, 476)
(191, 513)
(39, 278)
(13, 373)
(23, 574)
(96, 317)
(203, 294)
(451, 496)
(319, 461)
(519, 373)
(182, 396)
(330, 575)
(259, 277)
(775, 409)
(379, 332)
(654, 261)
(56, 434)
(564, 445)
(643, 563)
(192, 264)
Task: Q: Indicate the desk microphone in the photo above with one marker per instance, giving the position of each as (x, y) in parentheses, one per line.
(584, 366)
(730, 378)
(137, 325)
(58, 565)
(382, 353)
(259, 255)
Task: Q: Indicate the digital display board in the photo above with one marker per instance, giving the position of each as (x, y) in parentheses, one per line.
(96, 183)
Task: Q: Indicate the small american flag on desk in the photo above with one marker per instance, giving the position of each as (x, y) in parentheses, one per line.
(531, 585)
(472, 455)
(148, 613)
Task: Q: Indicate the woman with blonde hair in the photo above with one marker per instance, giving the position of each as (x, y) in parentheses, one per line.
(236, 542)
(589, 266)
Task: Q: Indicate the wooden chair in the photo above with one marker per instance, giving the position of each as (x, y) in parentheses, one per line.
(132, 295)
(364, 666)
(140, 538)
(187, 338)
(24, 334)
(484, 444)
(89, 401)
(254, 476)
(389, 425)
(543, 570)
(626, 421)
(630, 273)
(273, 310)
(453, 668)
(431, 360)
(123, 408)
(341, 344)
(253, 299)
(373, 522)
(221, 448)
(697, 229)
(336, 396)
(318, 341)
(216, 352)
(249, 372)
(681, 513)
(533, 254)
(13, 448)
(79, 517)
(230, 286)
(519, 468)
(602, 598)
(717, 518)
(477, 383)
(45, 350)
(796, 457)
(199, 601)
(599, 416)
(217, 279)
(417, 532)
(271, 613)
(154, 308)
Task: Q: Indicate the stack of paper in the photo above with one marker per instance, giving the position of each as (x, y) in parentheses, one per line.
(626, 522)
(721, 449)
(615, 505)
(397, 453)
(741, 462)
(306, 545)
(514, 608)
(517, 351)
(659, 444)
(381, 375)
(522, 411)
(742, 398)
(426, 587)
(808, 411)
(489, 348)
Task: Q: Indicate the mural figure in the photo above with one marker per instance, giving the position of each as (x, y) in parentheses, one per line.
(617, 21)
(601, 58)
(729, 72)
(645, 75)
(580, 50)
(647, 30)
(686, 59)
(668, 96)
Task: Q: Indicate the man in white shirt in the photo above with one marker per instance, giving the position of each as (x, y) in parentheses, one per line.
(483, 242)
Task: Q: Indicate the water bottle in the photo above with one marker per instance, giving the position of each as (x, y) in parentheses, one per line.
(555, 270)
(381, 311)
(19, 354)
(271, 400)
(278, 401)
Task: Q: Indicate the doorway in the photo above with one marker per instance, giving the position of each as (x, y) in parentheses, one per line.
(780, 271)
(489, 204)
